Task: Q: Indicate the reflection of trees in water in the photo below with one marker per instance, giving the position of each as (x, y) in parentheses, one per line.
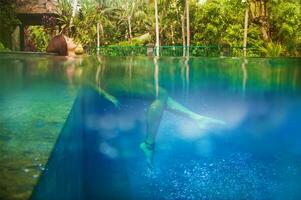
(185, 76)
(156, 75)
(176, 74)
(245, 75)
(99, 72)
(255, 75)
(22, 70)
(297, 78)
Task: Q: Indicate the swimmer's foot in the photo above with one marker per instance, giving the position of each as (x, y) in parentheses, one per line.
(207, 122)
(148, 150)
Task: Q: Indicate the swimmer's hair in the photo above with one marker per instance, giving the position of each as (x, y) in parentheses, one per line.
(58, 45)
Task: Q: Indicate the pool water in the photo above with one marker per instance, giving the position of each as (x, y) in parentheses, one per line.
(63, 138)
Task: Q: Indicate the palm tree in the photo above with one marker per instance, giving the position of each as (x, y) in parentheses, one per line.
(157, 29)
(246, 28)
(97, 16)
(183, 32)
(187, 27)
(127, 9)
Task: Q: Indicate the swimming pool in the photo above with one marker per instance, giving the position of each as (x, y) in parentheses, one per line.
(62, 138)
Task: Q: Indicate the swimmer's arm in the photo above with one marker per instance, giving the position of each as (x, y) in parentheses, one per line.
(108, 96)
(105, 94)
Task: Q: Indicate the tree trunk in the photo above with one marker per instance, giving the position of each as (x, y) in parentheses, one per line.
(130, 29)
(259, 15)
(100, 36)
(98, 39)
(264, 21)
(102, 31)
(187, 27)
(157, 29)
(73, 11)
(264, 29)
(183, 33)
(172, 35)
(246, 30)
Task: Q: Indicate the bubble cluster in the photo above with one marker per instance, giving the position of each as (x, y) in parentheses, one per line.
(238, 176)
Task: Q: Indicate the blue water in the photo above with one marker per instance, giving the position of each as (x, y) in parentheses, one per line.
(94, 162)
(256, 155)
(98, 155)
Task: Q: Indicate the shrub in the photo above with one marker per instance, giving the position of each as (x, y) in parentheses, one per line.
(273, 50)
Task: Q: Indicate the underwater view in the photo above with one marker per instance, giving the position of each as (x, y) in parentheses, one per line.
(97, 127)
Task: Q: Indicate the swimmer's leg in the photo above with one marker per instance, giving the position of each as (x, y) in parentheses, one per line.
(154, 115)
(202, 121)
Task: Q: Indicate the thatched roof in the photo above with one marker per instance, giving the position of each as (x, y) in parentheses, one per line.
(36, 6)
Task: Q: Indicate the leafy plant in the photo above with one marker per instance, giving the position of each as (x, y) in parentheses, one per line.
(39, 37)
(213, 23)
(272, 50)
(50, 24)
(64, 12)
(8, 21)
(2, 47)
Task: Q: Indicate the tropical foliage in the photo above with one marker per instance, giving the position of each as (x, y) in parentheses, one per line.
(38, 38)
(8, 21)
(273, 25)
(272, 50)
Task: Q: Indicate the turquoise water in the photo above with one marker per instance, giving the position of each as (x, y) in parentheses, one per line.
(62, 138)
